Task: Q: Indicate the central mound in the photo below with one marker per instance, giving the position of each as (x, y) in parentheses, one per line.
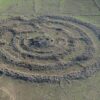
(49, 49)
(39, 42)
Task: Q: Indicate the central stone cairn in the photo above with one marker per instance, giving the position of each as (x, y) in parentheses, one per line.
(39, 42)
(48, 49)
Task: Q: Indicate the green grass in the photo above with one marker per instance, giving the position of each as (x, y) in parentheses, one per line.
(78, 90)
(88, 89)
(90, 19)
(67, 7)
(78, 8)
(4, 4)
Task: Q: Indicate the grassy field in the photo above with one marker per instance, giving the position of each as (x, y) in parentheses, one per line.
(78, 90)
(85, 10)
(70, 7)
